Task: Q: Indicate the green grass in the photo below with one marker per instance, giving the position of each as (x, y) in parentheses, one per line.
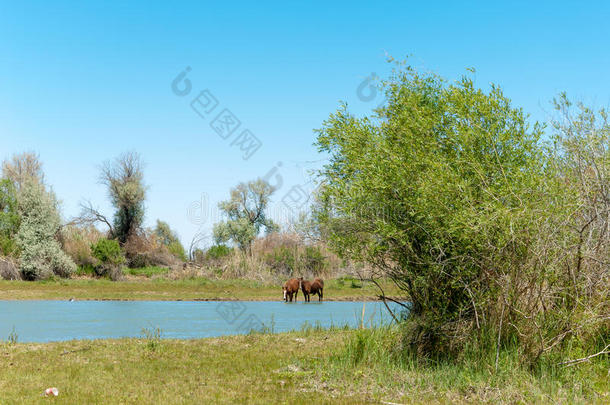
(160, 288)
(147, 271)
(311, 366)
(373, 362)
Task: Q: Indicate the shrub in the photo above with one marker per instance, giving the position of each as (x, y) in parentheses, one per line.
(86, 270)
(40, 252)
(218, 252)
(449, 191)
(108, 251)
(145, 249)
(110, 258)
(314, 260)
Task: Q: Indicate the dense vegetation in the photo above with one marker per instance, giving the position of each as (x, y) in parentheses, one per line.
(489, 228)
(36, 245)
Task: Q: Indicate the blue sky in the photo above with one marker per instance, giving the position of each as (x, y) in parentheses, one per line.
(82, 82)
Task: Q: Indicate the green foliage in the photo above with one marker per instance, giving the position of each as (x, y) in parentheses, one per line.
(289, 260)
(438, 190)
(9, 218)
(218, 252)
(449, 191)
(245, 212)
(147, 271)
(282, 259)
(86, 270)
(240, 231)
(41, 255)
(108, 251)
(313, 260)
(110, 258)
(170, 239)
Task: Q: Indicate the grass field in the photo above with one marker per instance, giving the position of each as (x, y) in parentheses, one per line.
(310, 366)
(144, 288)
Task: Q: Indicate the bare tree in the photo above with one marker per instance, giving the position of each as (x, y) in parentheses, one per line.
(22, 167)
(90, 216)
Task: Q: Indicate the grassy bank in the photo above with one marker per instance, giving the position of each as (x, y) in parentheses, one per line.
(311, 366)
(143, 288)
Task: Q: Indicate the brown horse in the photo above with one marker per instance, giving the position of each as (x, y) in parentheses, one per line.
(291, 287)
(306, 288)
(317, 287)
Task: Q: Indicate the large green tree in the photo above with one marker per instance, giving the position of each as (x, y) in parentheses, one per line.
(245, 212)
(438, 190)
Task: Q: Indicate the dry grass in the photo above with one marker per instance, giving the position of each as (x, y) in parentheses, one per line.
(76, 242)
(276, 257)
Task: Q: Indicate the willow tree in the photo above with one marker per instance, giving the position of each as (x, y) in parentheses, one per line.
(440, 191)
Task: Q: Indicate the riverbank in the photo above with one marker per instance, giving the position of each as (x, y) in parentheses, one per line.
(162, 289)
(311, 366)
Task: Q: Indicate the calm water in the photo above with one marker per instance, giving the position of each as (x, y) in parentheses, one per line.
(45, 321)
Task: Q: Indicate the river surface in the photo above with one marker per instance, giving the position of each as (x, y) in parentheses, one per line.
(47, 321)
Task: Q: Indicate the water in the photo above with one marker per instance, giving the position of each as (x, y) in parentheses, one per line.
(47, 321)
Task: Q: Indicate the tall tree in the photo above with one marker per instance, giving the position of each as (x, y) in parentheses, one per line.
(440, 189)
(246, 216)
(124, 178)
